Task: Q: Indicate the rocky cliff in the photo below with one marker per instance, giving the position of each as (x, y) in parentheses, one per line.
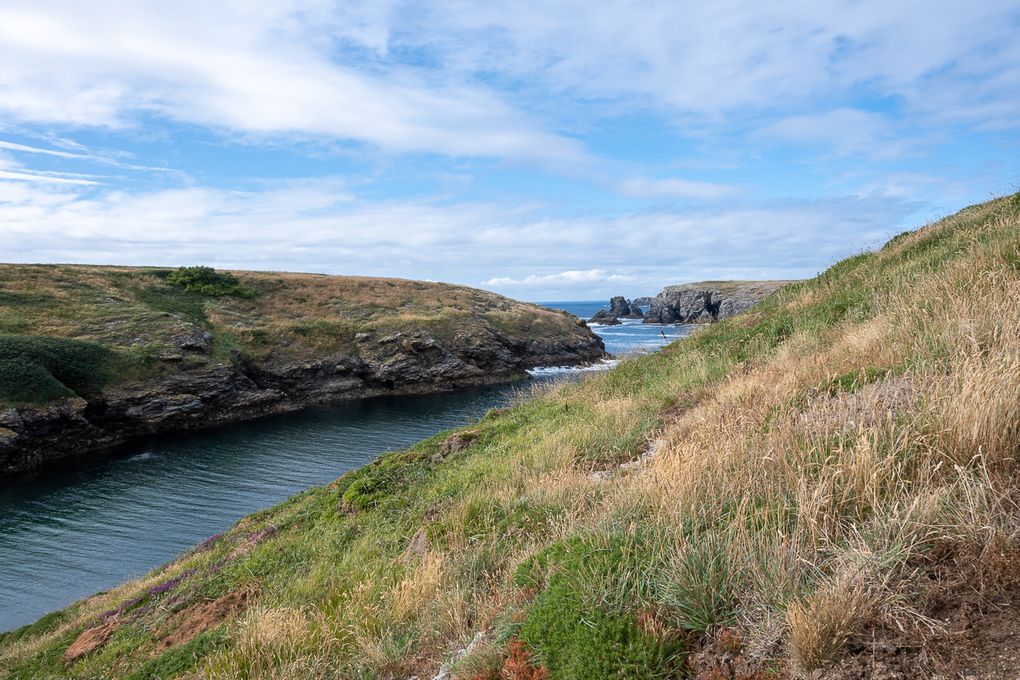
(707, 301)
(91, 357)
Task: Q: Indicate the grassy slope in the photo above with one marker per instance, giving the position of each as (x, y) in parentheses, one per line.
(815, 459)
(118, 320)
(734, 285)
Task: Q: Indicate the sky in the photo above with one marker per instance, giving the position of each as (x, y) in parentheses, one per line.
(544, 150)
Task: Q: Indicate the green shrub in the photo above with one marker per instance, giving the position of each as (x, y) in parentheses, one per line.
(23, 382)
(177, 301)
(36, 369)
(208, 281)
(367, 487)
(572, 630)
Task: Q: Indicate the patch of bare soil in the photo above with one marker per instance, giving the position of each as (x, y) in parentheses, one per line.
(89, 641)
(974, 600)
(205, 616)
(454, 444)
(972, 605)
(721, 656)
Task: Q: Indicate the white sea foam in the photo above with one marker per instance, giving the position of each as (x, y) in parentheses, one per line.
(603, 365)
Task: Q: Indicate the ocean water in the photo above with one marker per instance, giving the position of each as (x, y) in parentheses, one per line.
(631, 335)
(89, 526)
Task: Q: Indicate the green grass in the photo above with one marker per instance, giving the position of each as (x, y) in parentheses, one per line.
(169, 300)
(39, 369)
(178, 660)
(812, 453)
(287, 319)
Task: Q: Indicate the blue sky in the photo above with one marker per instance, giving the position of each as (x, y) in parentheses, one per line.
(545, 150)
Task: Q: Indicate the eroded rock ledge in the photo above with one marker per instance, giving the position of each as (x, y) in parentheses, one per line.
(183, 362)
(207, 393)
(707, 301)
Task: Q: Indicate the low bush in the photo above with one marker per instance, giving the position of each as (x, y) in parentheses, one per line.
(208, 281)
(574, 632)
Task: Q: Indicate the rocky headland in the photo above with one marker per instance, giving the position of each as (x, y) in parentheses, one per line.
(92, 357)
(707, 301)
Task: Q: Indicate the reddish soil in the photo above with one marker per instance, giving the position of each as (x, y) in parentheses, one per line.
(89, 641)
(205, 616)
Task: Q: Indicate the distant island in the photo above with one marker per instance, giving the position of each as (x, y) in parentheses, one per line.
(91, 357)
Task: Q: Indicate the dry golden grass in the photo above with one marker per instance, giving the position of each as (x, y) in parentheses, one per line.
(797, 488)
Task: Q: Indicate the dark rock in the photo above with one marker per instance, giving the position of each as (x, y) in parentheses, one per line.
(708, 301)
(604, 317)
(204, 393)
(619, 308)
(197, 341)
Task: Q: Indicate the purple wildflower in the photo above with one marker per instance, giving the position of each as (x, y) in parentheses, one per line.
(208, 543)
(170, 584)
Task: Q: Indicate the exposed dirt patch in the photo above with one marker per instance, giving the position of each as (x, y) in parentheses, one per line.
(722, 657)
(455, 443)
(205, 616)
(975, 599)
(89, 641)
(979, 643)
(972, 603)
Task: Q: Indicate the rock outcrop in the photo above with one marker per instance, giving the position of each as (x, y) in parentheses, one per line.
(205, 392)
(707, 301)
(199, 374)
(619, 308)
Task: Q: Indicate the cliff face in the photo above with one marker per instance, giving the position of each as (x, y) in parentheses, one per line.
(707, 301)
(174, 360)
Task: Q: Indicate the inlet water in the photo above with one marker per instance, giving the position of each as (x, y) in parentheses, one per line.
(93, 525)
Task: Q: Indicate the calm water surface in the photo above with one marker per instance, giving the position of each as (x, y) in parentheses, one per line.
(89, 527)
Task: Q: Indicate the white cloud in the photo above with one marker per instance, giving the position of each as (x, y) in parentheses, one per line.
(11, 146)
(459, 78)
(46, 178)
(958, 60)
(587, 276)
(642, 187)
(265, 69)
(844, 131)
(321, 225)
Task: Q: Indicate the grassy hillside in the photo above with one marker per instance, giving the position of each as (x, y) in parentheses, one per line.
(826, 482)
(67, 329)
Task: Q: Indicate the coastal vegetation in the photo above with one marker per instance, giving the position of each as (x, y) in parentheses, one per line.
(822, 486)
(208, 281)
(79, 315)
(92, 356)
